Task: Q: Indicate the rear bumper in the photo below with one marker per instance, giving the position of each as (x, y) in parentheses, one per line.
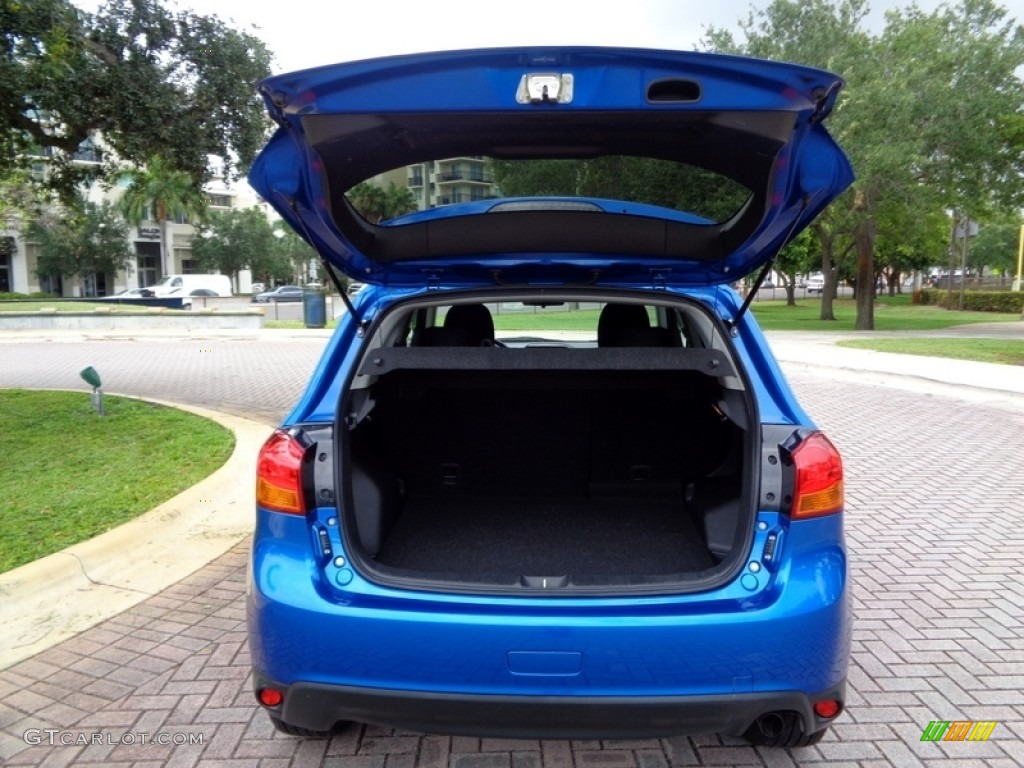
(544, 667)
(319, 707)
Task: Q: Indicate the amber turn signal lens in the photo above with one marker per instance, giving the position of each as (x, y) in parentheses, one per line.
(279, 474)
(818, 486)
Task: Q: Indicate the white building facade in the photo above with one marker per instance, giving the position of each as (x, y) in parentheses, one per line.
(19, 256)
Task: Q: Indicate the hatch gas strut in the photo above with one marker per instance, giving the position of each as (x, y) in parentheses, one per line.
(734, 322)
(328, 268)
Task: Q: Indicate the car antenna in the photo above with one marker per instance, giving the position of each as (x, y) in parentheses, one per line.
(328, 268)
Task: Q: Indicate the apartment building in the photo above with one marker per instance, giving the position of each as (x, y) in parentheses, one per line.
(454, 180)
(19, 256)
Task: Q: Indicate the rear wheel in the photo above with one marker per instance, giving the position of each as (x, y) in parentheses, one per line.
(293, 730)
(781, 729)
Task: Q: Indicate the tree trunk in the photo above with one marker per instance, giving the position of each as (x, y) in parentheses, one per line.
(790, 292)
(165, 267)
(828, 291)
(864, 238)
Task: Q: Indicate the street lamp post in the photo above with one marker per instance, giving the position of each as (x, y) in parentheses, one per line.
(1020, 259)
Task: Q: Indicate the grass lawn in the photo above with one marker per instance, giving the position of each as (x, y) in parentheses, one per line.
(34, 305)
(892, 313)
(71, 474)
(1006, 351)
(548, 320)
(293, 324)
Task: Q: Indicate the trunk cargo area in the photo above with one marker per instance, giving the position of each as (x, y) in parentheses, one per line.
(544, 478)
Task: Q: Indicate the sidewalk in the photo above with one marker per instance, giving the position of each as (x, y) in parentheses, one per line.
(962, 379)
(54, 598)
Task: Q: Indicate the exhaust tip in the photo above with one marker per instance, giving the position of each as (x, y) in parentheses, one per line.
(770, 725)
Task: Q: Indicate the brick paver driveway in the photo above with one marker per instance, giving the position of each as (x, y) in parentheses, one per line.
(936, 528)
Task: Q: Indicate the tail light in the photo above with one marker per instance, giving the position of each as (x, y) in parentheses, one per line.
(827, 708)
(818, 478)
(279, 471)
(270, 697)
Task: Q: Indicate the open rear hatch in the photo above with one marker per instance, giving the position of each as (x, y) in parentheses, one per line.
(742, 134)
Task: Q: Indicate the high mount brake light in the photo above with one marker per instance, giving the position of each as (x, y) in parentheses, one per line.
(279, 474)
(818, 482)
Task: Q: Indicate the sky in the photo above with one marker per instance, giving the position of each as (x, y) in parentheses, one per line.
(309, 33)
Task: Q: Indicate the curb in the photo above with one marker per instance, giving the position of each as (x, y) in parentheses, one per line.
(986, 383)
(54, 598)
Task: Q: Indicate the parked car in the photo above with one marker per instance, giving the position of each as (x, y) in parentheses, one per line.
(633, 533)
(257, 288)
(132, 293)
(816, 283)
(281, 293)
(170, 286)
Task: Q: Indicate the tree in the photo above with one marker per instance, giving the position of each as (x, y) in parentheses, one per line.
(928, 113)
(996, 246)
(293, 254)
(148, 79)
(638, 179)
(82, 243)
(910, 237)
(234, 240)
(827, 34)
(161, 192)
(20, 201)
(796, 258)
(376, 203)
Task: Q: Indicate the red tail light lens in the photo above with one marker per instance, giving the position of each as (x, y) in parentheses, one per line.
(818, 487)
(827, 709)
(270, 697)
(279, 474)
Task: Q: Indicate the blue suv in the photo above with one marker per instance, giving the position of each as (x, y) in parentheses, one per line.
(614, 520)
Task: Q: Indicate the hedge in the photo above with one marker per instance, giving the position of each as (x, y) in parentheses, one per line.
(13, 296)
(974, 301)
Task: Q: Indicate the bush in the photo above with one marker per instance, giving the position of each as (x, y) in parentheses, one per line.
(974, 301)
(14, 296)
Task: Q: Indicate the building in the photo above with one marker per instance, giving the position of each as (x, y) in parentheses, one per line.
(455, 180)
(18, 256)
(435, 183)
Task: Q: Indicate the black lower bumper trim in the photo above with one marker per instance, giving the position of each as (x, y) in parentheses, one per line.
(318, 707)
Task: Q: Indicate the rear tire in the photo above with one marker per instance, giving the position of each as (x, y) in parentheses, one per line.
(294, 730)
(781, 729)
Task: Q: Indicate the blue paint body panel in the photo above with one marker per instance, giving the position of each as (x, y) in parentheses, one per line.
(772, 635)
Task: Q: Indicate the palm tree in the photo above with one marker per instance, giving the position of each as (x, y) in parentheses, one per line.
(164, 192)
(376, 203)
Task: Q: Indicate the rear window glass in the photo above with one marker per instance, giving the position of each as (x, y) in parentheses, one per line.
(565, 323)
(704, 195)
